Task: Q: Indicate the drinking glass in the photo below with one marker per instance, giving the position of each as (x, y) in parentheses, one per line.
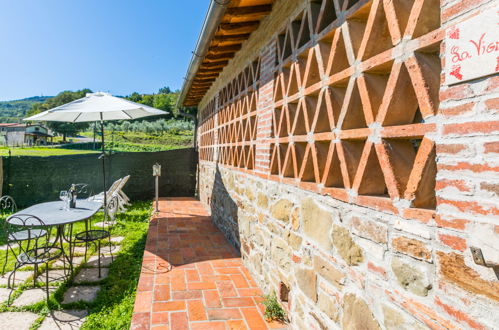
(63, 195)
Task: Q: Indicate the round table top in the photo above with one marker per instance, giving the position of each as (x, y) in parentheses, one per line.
(53, 214)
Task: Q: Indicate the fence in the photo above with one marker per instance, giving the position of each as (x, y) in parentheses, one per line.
(31, 180)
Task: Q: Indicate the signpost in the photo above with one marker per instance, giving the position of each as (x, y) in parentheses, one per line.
(472, 47)
(156, 172)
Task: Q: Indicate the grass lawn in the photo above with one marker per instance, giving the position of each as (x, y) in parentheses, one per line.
(42, 152)
(114, 304)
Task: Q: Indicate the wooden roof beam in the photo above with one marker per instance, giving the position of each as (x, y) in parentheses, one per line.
(219, 57)
(238, 28)
(248, 11)
(212, 65)
(231, 38)
(223, 49)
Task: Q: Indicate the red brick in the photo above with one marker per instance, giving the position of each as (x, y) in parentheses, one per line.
(451, 148)
(457, 110)
(376, 269)
(471, 128)
(212, 299)
(454, 242)
(226, 289)
(161, 292)
(179, 321)
(253, 318)
(457, 92)
(464, 166)
(141, 321)
(209, 285)
(239, 281)
(236, 325)
(492, 104)
(159, 318)
(238, 302)
(459, 8)
(182, 295)
(458, 315)
(196, 310)
(143, 301)
(471, 206)
(453, 223)
(224, 314)
(460, 185)
(491, 147)
(208, 326)
(169, 306)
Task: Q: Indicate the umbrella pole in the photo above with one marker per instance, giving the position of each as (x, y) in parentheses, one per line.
(104, 169)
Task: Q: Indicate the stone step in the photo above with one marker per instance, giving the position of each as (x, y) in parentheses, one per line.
(21, 277)
(17, 320)
(89, 275)
(105, 261)
(80, 293)
(31, 296)
(64, 320)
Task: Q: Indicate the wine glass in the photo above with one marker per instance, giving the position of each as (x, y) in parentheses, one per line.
(63, 196)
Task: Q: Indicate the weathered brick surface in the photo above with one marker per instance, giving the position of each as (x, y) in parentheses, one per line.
(366, 215)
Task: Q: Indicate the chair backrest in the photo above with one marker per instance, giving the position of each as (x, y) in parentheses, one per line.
(24, 229)
(7, 204)
(82, 190)
(113, 188)
(112, 209)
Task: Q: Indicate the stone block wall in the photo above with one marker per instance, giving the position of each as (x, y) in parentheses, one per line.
(358, 180)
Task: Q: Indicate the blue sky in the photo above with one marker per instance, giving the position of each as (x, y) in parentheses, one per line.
(119, 46)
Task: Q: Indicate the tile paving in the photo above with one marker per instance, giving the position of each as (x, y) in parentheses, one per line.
(207, 288)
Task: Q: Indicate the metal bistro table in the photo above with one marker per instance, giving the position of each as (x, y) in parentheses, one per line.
(53, 215)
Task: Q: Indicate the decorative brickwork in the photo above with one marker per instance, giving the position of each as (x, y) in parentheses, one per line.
(353, 107)
(371, 178)
(235, 107)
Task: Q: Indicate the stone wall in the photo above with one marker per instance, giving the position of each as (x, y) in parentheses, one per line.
(365, 213)
(31, 180)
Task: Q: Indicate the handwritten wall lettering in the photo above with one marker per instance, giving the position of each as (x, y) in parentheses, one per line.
(472, 47)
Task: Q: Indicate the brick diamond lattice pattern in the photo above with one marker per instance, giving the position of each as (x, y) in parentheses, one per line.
(355, 93)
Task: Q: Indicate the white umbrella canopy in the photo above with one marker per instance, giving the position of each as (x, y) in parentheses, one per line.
(97, 107)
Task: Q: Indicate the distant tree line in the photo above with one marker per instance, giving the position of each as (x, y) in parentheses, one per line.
(165, 99)
(174, 126)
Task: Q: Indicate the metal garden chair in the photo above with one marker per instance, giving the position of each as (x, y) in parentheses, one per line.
(95, 236)
(34, 249)
(8, 206)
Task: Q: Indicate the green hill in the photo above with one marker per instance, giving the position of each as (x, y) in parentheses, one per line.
(13, 111)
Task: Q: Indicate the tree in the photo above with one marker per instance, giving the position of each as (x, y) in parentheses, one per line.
(165, 90)
(65, 129)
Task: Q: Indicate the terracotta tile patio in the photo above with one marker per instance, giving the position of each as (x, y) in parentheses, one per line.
(208, 287)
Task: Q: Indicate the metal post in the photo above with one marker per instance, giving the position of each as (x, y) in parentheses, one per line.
(157, 194)
(103, 168)
(156, 172)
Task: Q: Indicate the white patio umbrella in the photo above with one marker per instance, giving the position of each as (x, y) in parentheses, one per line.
(97, 107)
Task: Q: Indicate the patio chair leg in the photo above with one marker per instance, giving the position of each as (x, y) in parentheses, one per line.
(47, 281)
(70, 249)
(34, 275)
(98, 252)
(6, 260)
(111, 247)
(63, 259)
(13, 273)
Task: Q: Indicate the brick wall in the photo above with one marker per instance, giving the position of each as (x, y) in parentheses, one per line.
(368, 178)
